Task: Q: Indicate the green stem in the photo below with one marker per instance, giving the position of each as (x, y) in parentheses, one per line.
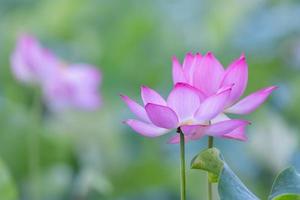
(210, 145)
(210, 141)
(33, 147)
(182, 165)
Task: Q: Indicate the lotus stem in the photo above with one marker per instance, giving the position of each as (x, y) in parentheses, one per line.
(182, 165)
(210, 193)
(33, 148)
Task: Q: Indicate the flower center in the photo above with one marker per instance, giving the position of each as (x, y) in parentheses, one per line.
(188, 122)
(193, 122)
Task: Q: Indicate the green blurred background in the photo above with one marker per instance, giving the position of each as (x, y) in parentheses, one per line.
(92, 155)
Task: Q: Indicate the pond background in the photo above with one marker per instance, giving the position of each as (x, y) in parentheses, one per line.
(92, 155)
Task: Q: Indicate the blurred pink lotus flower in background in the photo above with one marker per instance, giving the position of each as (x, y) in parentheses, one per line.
(74, 86)
(186, 108)
(207, 75)
(31, 63)
(63, 85)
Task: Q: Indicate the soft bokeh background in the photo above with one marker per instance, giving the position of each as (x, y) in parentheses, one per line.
(92, 155)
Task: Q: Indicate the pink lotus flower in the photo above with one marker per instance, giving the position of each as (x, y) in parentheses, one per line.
(207, 75)
(30, 62)
(186, 108)
(63, 86)
(75, 86)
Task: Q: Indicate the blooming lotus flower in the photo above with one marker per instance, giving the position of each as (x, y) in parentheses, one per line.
(74, 86)
(186, 107)
(208, 75)
(63, 86)
(31, 63)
